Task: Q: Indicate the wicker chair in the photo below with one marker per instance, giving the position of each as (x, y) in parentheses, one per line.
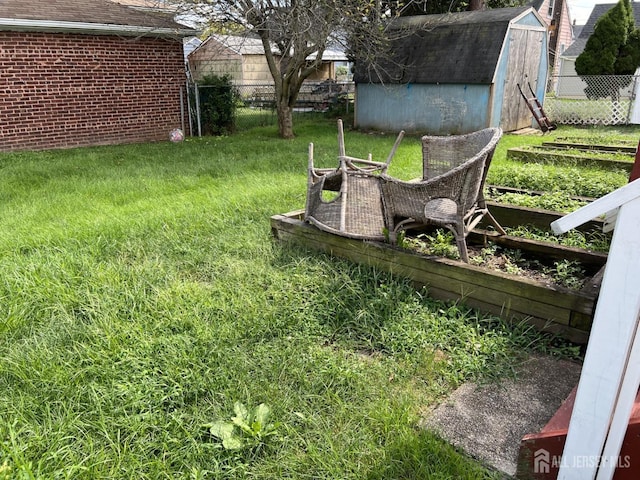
(347, 200)
(450, 193)
(361, 165)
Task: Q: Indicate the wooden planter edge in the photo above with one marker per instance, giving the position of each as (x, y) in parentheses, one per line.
(548, 308)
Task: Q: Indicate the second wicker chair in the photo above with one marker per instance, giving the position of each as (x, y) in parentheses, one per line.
(451, 192)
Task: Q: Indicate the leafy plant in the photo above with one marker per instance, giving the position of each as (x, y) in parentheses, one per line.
(597, 240)
(5, 471)
(568, 273)
(557, 201)
(218, 101)
(247, 429)
(440, 243)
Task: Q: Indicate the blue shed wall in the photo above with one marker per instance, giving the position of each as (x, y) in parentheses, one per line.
(498, 86)
(426, 109)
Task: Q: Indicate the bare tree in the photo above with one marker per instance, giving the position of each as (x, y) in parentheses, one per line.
(295, 34)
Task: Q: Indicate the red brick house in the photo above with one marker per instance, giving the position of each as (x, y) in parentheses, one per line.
(87, 72)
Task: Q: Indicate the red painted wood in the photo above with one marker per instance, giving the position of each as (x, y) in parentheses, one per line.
(540, 453)
(635, 170)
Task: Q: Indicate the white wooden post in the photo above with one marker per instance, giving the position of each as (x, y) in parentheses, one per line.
(611, 371)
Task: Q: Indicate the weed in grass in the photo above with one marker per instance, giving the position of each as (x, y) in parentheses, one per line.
(246, 430)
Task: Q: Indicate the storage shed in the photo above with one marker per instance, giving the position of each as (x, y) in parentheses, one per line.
(78, 72)
(455, 73)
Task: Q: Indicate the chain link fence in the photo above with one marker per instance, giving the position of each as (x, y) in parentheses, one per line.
(255, 104)
(570, 100)
(592, 100)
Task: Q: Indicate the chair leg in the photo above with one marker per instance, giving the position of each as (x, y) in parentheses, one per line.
(495, 223)
(459, 232)
(462, 248)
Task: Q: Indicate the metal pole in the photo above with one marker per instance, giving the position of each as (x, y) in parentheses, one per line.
(189, 110)
(182, 109)
(198, 111)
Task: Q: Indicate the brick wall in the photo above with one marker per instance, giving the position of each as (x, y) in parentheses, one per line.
(61, 90)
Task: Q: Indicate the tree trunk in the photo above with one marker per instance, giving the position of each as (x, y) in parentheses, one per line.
(476, 5)
(285, 120)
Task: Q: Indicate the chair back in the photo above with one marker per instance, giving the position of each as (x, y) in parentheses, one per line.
(474, 150)
(443, 153)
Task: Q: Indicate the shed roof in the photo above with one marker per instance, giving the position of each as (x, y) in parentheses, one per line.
(86, 16)
(459, 47)
(600, 9)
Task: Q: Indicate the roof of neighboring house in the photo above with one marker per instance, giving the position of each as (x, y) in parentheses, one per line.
(600, 9)
(247, 45)
(86, 16)
(577, 30)
(240, 45)
(459, 47)
(149, 4)
(537, 4)
(190, 45)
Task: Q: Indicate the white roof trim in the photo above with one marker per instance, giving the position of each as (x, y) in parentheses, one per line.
(97, 28)
(530, 10)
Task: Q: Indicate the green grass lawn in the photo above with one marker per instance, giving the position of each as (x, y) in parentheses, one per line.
(142, 295)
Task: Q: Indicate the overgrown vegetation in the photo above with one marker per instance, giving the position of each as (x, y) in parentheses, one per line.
(585, 181)
(142, 297)
(595, 240)
(218, 101)
(566, 273)
(557, 202)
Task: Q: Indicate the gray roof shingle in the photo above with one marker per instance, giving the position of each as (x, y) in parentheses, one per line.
(32, 14)
(459, 47)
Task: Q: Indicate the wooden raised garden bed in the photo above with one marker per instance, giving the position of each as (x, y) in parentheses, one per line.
(546, 306)
(560, 155)
(575, 145)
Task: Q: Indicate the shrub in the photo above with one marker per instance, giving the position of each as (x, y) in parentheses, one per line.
(218, 99)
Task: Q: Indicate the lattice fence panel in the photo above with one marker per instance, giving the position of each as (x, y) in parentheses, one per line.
(591, 100)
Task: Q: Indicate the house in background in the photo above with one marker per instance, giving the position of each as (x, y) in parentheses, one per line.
(243, 58)
(570, 85)
(455, 73)
(190, 44)
(76, 73)
(556, 15)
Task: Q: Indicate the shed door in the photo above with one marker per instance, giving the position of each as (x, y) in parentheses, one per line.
(525, 48)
